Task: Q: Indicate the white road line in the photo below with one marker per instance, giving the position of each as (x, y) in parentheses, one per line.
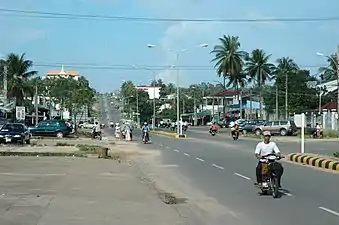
(242, 176)
(329, 211)
(216, 166)
(167, 147)
(201, 160)
(186, 154)
(175, 150)
(161, 145)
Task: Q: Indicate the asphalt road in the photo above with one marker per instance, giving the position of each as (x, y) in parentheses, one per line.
(311, 146)
(226, 172)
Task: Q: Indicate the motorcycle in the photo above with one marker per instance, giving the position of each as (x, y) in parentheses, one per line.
(213, 132)
(97, 135)
(235, 134)
(145, 137)
(270, 184)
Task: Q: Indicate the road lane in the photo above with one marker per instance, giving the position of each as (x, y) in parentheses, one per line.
(311, 146)
(225, 171)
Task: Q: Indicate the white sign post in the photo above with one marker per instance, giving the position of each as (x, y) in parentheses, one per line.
(302, 150)
(20, 112)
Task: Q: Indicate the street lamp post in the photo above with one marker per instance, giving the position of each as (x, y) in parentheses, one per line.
(179, 126)
(336, 62)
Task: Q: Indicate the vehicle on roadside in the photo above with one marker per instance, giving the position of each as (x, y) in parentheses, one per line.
(86, 125)
(56, 128)
(15, 132)
(280, 127)
(248, 127)
(145, 137)
(213, 132)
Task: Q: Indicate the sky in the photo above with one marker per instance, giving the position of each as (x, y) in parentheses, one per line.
(120, 46)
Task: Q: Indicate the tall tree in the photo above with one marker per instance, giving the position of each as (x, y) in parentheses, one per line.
(229, 61)
(330, 72)
(18, 74)
(259, 70)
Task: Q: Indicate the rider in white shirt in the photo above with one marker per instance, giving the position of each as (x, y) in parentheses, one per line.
(264, 148)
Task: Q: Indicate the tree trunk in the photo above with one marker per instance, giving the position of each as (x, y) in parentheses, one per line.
(223, 99)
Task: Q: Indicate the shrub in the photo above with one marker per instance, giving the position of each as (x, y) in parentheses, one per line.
(329, 133)
(336, 154)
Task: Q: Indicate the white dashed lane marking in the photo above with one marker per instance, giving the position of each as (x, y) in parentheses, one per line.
(242, 176)
(167, 147)
(216, 166)
(176, 150)
(186, 154)
(329, 211)
(201, 160)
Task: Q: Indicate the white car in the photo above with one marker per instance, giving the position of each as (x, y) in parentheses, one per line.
(87, 125)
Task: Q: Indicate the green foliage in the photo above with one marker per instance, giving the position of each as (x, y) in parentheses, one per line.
(329, 133)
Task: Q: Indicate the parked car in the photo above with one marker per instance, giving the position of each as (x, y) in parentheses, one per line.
(56, 128)
(249, 126)
(15, 132)
(86, 125)
(282, 127)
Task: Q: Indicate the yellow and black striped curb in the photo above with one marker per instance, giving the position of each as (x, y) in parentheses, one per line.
(168, 134)
(315, 161)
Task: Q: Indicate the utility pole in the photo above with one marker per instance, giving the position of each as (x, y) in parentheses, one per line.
(138, 118)
(154, 77)
(240, 116)
(276, 102)
(286, 97)
(178, 98)
(5, 84)
(36, 105)
(195, 110)
(260, 86)
(251, 108)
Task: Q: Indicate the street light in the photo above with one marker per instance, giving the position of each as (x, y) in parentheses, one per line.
(177, 53)
(154, 72)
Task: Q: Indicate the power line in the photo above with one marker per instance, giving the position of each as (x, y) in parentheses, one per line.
(130, 67)
(52, 15)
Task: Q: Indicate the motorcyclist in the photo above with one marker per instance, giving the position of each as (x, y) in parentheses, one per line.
(146, 128)
(214, 127)
(96, 130)
(262, 149)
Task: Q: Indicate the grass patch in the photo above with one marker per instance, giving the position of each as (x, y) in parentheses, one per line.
(252, 136)
(62, 144)
(50, 154)
(85, 134)
(88, 148)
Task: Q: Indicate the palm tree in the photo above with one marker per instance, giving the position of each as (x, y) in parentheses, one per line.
(259, 69)
(285, 67)
(229, 62)
(330, 72)
(18, 75)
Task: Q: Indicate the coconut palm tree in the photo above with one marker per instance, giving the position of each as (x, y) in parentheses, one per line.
(229, 61)
(259, 70)
(18, 75)
(330, 72)
(284, 69)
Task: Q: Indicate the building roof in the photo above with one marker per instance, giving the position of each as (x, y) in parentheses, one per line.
(225, 93)
(330, 105)
(62, 72)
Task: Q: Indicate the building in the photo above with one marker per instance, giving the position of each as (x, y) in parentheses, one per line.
(63, 73)
(153, 92)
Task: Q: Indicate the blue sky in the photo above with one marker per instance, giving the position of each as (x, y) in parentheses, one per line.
(107, 43)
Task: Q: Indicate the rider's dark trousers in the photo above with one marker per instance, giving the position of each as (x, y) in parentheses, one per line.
(278, 168)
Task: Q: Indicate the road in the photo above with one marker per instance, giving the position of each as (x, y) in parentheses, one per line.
(225, 170)
(311, 146)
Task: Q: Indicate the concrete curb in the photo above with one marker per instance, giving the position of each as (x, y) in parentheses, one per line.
(168, 134)
(315, 161)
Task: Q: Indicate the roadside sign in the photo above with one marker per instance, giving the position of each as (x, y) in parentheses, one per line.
(20, 112)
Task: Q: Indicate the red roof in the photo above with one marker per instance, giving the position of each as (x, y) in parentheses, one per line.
(330, 105)
(225, 93)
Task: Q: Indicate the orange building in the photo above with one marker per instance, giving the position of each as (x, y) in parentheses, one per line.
(63, 73)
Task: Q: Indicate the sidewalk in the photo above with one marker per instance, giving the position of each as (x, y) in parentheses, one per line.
(77, 191)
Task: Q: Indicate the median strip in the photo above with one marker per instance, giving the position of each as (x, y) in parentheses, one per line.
(168, 134)
(316, 161)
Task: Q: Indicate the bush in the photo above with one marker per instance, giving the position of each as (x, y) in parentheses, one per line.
(336, 154)
(62, 144)
(329, 133)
